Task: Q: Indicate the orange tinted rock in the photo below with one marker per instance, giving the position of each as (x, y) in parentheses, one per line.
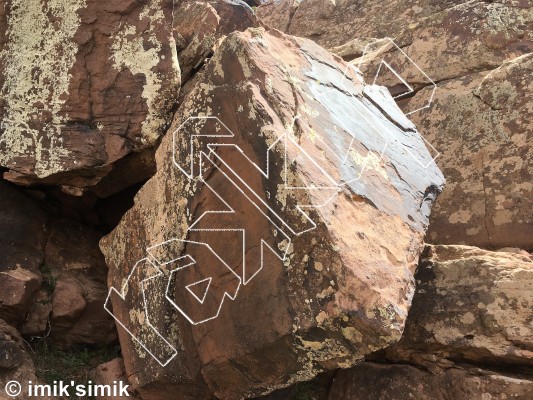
(470, 304)
(370, 381)
(199, 25)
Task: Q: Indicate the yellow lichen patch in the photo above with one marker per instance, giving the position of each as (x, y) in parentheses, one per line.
(325, 293)
(321, 317)
(352, 334)
(461, 216)
(502, 217)
(371, 161)
(313, 345)
(128, 51)
(473, 231)
(36, 75)
(319, 266)
(137, 316)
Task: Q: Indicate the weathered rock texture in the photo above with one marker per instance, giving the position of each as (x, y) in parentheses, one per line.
(199, 26)
(22, 244)
(345, 286)
(15, 362)
(52, 274)
(307, 203)
(468, 38)
(79, 274)
(472, 305)
(371, 381)
(467, 336)
(332, 24)
(83, 83)
(109, 373)
(480, 117)
(482, 126)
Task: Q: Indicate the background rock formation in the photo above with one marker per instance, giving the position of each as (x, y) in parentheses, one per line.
(472, 305)
(83, 84)
(384, 382)
(485, 151)
(53, 276)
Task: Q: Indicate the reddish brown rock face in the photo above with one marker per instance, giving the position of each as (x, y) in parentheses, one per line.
(83, 84)
(471, 305)
(15, 362)
(371, 381)
(481, 125)
(78, 272)
(460, 41)
(468, 334)
(331, 204)
(52, 274)
(285, 196)
(200, 25)
(333, 23)
(479, 119)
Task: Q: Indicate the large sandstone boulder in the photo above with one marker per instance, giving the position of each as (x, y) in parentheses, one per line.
(472, 305)
(82, 85)
(298, 195)
(371, 381)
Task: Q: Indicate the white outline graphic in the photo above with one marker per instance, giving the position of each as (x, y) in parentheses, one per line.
(411, 89)
(171, 279)
(358, 69)
(188, 287)
(124, 290)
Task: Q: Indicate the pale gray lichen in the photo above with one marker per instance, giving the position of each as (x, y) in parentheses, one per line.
(35, 74)
(129, 51)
